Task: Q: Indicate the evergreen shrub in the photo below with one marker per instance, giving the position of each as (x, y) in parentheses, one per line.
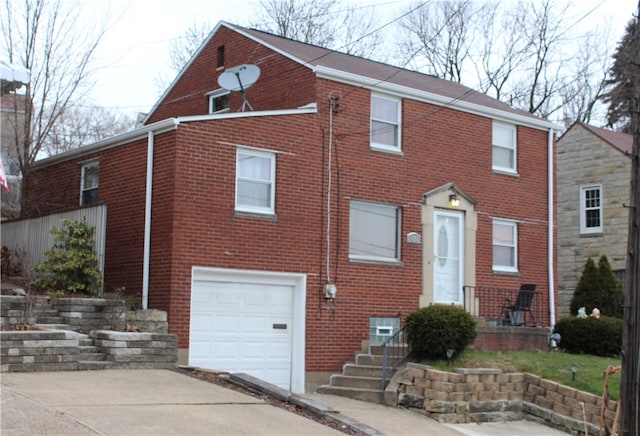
(596, 336)
(432, 330)
(598, 288)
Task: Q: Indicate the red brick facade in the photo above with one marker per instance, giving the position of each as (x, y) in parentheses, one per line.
(194, 222)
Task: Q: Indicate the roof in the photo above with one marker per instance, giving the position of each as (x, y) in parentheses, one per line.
(376, 75)
(621, 141)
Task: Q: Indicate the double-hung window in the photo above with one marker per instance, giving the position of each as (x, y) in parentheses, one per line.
(504, 149)
(255, 181)
(385, 123)
(591, 209)
(219, 101)
(89, 183)
(505, 245)
(374, 232)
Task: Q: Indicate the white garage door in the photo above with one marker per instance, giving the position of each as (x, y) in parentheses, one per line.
(243, 323)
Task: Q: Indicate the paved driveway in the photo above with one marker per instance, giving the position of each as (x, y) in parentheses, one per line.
(140, 402)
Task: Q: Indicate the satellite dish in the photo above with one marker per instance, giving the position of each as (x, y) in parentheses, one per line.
(240, 78)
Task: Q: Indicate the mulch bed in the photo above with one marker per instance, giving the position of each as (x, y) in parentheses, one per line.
(215, 378)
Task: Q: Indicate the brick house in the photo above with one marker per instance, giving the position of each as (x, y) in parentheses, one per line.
(594, 176)
(235, 222)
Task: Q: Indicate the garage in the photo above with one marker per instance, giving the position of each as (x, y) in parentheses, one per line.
(250, 322)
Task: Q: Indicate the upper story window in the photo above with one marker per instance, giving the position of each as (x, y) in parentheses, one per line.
(220, 60)
(385, 123)
(374, 232)
(219, 101)
(591, 209)
(89, 184)
(505, 245)
(504, 147)
(255, 181)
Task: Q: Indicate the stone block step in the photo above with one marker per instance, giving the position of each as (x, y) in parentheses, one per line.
(56, 326)
(93, 357)
(370, 395)
(85, 342)
(349, 381)
(88, 365)
(50, 320)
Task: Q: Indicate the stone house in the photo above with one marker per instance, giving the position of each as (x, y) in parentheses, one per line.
(347, 193)
(594, 171)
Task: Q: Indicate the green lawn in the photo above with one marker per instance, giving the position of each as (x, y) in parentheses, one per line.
(554, 366)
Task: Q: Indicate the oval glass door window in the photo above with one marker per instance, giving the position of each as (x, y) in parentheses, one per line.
(443, 245)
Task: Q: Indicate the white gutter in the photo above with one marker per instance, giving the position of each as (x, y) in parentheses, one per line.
(552, 303)
(147, 222)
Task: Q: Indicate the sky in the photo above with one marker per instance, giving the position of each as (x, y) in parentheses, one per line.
(133, 58)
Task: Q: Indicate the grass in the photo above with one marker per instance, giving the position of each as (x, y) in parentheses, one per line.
(554, 366)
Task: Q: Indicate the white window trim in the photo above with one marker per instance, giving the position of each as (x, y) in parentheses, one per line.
(396, 259)
(514, 147)
(385, 147)
(272, 201)
(83, 169)
(213, 95)
(584, 230)
(514, 226)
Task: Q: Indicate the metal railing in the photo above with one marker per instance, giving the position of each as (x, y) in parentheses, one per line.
(493, 303)
(394, 353)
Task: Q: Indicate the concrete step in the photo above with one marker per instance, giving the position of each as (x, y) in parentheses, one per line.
(56, 326)
(371, 360)
(88, 365)
(365, 371)
(349, 381)
(392, 350)
(370, 395)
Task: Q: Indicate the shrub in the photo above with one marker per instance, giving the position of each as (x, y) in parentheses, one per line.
(434, 329)
(598, 288)
(72, 264)
(597, 336)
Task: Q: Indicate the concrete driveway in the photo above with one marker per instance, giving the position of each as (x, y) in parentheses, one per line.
(140, 402)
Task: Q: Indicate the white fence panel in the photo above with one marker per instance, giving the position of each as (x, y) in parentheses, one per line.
(34, 237)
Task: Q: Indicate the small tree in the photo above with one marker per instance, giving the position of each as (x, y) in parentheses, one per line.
(72, 264)
(598, 288)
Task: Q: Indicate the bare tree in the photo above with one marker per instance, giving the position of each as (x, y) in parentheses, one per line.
(43, 36)
(440, 35)
(182, 50)
(333, 24)
(78, 126)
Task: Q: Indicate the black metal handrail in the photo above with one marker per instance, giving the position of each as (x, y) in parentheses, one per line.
(489, 303)
(394, 352)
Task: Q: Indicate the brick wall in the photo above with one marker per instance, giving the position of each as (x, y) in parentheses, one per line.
(486, 395)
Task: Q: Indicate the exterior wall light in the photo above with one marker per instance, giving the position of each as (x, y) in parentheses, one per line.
(454, 201)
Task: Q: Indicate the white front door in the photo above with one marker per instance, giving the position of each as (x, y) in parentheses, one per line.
(449, 256)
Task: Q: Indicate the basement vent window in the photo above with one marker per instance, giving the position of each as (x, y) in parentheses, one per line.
(381, 329)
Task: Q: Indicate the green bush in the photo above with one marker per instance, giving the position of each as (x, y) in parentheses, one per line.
(598, 288)
(432, 330)
(597, 336)
(72, 264)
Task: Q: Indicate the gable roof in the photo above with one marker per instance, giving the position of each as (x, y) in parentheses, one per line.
(621, 141)
(370, 74)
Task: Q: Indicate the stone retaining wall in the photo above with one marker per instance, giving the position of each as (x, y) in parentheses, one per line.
(28, 351)
(137, 350)
(485, 395)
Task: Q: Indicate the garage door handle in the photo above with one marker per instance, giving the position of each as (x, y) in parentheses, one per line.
(279, 326)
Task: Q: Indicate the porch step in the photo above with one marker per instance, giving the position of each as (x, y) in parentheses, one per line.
(375, 360)
(364, 371)
(370, 395)
(350, 381)
(392, 350)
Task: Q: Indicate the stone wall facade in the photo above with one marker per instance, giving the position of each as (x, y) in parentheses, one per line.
(486, 395)
(583, 159)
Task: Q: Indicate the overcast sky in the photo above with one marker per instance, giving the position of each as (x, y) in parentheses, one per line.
(134, 54)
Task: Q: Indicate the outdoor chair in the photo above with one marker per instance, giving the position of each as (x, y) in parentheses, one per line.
(514, 313)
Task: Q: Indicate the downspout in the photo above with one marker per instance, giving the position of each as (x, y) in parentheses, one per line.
(147, 222)
(550, 243)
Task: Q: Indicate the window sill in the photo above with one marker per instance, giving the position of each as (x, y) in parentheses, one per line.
(592, 235)
(388, 150)
(394, 263)
(505, 172)
(501, 272)
(246, 214)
